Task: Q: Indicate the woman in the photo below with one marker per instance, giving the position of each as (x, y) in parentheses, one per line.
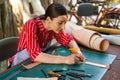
(37, 34)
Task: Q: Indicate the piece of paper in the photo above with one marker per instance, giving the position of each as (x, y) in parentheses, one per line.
(29, 78)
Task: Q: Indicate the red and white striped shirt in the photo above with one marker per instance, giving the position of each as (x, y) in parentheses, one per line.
(34, 37)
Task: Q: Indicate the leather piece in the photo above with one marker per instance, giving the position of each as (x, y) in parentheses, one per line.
(88, 38)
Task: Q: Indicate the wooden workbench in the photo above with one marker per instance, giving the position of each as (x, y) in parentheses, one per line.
(114, 72)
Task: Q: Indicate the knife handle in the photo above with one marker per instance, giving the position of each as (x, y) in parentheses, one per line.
(53, 74)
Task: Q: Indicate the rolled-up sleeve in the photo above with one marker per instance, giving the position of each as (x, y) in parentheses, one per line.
(63, 38)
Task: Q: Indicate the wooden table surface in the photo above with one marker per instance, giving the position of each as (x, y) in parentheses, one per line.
(114, 72)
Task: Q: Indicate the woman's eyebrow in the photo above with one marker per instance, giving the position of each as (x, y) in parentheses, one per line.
(63, 20)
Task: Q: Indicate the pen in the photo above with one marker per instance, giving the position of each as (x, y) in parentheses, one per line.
(44, 72)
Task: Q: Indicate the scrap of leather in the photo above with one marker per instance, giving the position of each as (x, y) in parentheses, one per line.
(28, 78)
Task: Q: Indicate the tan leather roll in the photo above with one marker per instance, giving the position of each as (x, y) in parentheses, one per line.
(100, 44)
(88, 38)
(92, 40)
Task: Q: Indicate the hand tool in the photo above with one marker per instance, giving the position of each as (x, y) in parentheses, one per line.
(74, 51)
(55, 74)
(74, 75)
(78, 74)
(44, 72)
(96, 64)
(73, 69)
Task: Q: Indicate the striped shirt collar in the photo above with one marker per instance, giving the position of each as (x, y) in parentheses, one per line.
(40, 25)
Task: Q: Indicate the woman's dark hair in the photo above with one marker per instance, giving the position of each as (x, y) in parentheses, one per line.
(54, 10)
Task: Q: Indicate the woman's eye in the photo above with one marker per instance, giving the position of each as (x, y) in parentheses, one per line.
(60, 22)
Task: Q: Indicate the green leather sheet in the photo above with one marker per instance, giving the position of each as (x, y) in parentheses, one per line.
(92, 56)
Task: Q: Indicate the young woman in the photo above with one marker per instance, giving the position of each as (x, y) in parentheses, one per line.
(37, 34)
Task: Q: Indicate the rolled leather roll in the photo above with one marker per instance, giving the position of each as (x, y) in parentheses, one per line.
(100, 44)
(88, 38)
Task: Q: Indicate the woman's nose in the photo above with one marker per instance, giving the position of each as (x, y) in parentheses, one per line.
(63, 26)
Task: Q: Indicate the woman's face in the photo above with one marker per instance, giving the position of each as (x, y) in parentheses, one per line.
(58, 24)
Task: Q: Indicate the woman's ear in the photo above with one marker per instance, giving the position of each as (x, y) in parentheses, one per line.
(48, 19)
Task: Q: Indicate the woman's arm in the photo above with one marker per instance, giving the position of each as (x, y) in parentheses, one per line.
(57, 59)
(73, 44)
(48, 58)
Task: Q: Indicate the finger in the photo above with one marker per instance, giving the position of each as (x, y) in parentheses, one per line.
(81, 58)
(76, 60)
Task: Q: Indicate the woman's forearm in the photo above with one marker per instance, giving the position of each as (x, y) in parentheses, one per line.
(47, 58)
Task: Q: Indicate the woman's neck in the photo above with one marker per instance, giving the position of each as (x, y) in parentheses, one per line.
(45, 24)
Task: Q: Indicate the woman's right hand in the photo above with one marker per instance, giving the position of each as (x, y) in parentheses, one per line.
(73, 59)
